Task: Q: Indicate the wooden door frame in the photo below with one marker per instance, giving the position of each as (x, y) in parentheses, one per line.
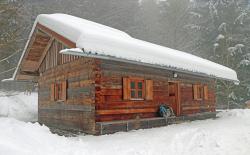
(178, 101)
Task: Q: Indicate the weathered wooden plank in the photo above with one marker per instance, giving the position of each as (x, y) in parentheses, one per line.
(125, 111)
(68, 107)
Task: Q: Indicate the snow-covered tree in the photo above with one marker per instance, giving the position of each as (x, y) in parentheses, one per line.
(225, 39)
(168, 23)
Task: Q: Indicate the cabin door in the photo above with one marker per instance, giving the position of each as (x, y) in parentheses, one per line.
(174, 95)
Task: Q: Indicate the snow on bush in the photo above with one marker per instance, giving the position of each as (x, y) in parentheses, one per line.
(245, 62)
(18, 105)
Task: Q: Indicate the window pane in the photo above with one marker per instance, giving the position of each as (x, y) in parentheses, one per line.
(139, 94)
(139, 85)
(132, 85)
(133, 94)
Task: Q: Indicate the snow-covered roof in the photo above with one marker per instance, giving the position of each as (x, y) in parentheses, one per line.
(96, 40)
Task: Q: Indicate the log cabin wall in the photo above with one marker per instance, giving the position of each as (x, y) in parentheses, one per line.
(110, 104)
(95, 91)
(75, 109)
(189, 105)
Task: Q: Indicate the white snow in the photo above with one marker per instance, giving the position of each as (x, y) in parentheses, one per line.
(109, 42)
(227, 135)
(232, 50)
(18, 105)
(245, 62)
(195, 14)
(222, 27)
(6, 80)
(220, 37)
(216, 44)
(240, 18)
(236, 49)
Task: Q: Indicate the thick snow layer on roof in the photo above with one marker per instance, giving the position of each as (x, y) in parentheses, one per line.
(112, 43)
(73, 27)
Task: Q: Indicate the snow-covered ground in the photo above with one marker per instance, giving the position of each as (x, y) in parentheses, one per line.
(227, 135)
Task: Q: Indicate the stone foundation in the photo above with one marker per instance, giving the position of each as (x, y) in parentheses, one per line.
(127, 125)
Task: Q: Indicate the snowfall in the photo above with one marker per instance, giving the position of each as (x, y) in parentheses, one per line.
(229, 134)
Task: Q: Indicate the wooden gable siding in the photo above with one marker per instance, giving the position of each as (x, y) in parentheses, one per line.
(110, 104)
(58, 37)
(54, 58)
(35, 49)
(38, 46)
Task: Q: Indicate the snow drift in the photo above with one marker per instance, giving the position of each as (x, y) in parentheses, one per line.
(18, 105)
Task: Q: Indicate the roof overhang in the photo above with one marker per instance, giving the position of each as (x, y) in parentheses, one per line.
(35, 51)
(80, 52)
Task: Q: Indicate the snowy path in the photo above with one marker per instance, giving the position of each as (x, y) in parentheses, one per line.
(227, 135)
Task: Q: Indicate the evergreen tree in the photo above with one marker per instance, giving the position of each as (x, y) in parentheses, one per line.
(10, 36)
(225, 39)
(176, 26)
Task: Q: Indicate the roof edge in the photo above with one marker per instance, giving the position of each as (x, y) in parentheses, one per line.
(24, 51)
(94, 55)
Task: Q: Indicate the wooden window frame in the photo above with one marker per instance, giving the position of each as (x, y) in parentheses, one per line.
(59, 91)
(146, 90)
(198, 92)
(136, 89)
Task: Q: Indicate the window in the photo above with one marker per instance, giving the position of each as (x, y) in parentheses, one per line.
(137, 89)
(197, 91)
(200, 92)
(59, 91)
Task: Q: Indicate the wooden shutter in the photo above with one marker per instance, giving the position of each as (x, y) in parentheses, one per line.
(205, 90)
(149, 89)
(56, 92)
(64, 90)
(52, 92)
(195, 91)
(126, 88)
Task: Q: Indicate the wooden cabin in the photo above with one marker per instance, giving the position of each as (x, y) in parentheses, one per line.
(99, 80)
